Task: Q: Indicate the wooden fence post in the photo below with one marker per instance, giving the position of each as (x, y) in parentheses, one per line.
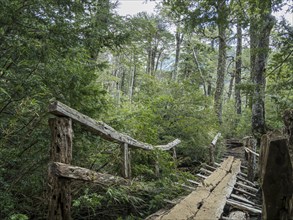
(126, 161)
(250, 143)
(61, 151)
(275, 173)
(212, 149)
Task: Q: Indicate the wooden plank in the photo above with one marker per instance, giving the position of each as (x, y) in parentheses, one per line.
(209, 167)
(193, 181)
(83, 174)
(247, 187)
(213, 206)
(243, 207)
(246, 181)
(242, 199)
(190, 205)
(201, 176)
(244, 192)
(205, 171)
(102, 129)
(219, 174)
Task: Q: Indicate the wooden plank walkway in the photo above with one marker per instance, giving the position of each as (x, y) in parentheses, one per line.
(209, 199)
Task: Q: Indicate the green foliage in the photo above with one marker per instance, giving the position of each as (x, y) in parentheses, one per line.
(237, 126)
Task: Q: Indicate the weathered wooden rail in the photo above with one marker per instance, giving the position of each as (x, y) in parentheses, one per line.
(61, 172)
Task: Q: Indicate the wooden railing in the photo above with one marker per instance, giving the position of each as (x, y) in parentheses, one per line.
(61, 173)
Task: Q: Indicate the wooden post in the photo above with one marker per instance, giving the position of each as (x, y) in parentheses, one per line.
(126, 168)
(61, 151)
(212, 153)
(212, 149)
(250, 143)
(276, 177)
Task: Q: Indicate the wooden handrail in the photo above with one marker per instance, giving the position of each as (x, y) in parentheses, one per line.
(102, 129)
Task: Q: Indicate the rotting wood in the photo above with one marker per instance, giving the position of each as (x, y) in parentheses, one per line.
(251, 151)
(244, 192)
(185, 186)
(83, 174)
(212, 149)
(242, 199)
(190, 205)
(209, 167)
(247, 187)
(205, 171)
(276, 176)
(201, 176)
(243, 207)
(193, 181)
(213, 206)
(246, 181)
(288, 132)
(59, 191)
(126, 161)
(250, 148)
(102, 129)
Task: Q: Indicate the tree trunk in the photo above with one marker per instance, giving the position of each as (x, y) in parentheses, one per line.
(222, 26)
(260, 29)
(179, 39)
(231, 86)
(200, 72)
(238, 69)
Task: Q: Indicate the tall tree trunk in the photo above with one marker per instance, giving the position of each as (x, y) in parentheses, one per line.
(222, 26)
(261, 25)
(238, 67)
(132, 79)
(200, 72)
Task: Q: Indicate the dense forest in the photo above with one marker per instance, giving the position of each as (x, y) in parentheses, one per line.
(189, 70)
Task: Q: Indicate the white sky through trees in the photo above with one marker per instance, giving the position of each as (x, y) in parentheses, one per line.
(132, 7)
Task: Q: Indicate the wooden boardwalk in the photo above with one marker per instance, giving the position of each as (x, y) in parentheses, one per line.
(226, 185)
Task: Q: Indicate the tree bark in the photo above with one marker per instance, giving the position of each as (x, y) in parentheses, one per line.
(179, 38)
(222, 26)
(261, 24)
(238, 69)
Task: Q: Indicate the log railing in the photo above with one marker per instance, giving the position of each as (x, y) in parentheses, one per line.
(61, 172)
